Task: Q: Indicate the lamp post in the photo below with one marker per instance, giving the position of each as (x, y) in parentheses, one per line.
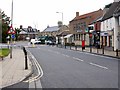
(62, 25)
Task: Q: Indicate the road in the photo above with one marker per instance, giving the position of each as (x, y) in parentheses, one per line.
(73, 69)
(64, 68)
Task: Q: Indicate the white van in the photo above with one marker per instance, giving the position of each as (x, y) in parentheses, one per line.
(35, 41)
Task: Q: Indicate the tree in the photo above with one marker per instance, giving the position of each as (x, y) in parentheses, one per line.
(17, 30)
(5, 21)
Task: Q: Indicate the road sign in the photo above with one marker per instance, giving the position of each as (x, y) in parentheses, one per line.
(11, 30)
(13, 36)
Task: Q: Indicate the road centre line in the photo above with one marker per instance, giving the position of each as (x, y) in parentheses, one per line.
(98, 65)
(78, 59)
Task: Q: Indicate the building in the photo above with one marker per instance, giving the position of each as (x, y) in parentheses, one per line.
(95, 31)
(28, 33)
(110, 27)
(79, 26)
(56, 31)
(117, 21)
(50, 31)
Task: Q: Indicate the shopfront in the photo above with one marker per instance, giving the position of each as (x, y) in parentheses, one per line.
(107, 38)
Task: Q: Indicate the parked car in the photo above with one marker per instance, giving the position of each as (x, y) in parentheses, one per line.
(35, 41)
(48, 42)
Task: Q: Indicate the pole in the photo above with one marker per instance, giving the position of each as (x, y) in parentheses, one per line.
(12, 13)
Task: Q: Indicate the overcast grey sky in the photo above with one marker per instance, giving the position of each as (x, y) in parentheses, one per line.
(40, 13)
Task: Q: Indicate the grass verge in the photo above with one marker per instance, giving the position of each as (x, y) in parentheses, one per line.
(4, 52)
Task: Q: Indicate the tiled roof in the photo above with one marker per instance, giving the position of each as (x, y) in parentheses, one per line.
(117, 11)
(51, 29)
(111, 11)
(64, 33)
(87, 15)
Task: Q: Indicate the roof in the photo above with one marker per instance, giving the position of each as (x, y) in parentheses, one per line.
(30, 30)
(117, 11)
(96, 20)
(110, 12)
(64, 33)
(88, 14)
(51, 29)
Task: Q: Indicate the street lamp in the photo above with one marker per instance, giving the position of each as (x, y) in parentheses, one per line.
(62, 24)
(62, 16)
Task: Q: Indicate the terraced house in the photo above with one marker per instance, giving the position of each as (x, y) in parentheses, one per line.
(79, 26)
(110, 26)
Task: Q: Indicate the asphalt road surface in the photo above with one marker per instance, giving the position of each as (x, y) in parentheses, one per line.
(64, 68)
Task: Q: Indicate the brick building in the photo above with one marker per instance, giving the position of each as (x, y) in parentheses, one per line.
(79, 26)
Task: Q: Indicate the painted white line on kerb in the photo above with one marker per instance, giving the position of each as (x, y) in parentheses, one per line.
(98, 65)
(78, 59)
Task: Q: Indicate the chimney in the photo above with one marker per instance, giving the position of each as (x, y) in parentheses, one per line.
(77, 14)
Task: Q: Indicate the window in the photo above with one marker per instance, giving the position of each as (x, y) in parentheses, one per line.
(106, 23)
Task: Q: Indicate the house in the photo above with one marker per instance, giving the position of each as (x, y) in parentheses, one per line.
(28, 33)
(79, 26)
(57, 32)
(117, 21)
(50, 31)
(95, 31)
(110, 27)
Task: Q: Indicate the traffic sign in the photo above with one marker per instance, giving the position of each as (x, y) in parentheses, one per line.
(13, 36)
(11, 30)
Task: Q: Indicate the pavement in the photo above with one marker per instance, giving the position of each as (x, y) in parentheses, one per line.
(107, 52)
(12, 70)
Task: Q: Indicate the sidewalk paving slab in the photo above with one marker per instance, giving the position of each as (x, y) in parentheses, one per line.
(13, 71)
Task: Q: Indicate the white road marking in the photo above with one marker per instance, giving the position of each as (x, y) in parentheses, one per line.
(78, 59)
(98, 65)
(67, 56)
(38, 84)
(32, 85)
(40, 71)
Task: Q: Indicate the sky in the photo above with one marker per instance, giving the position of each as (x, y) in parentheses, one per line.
(41, 13)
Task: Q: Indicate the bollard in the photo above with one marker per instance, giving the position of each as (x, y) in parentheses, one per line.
(90, 49)
(70, 46)
(82, 48)
(10, 52)
(65, 46)
(33, 44)
(75, 47)
(97, 50)
(103, 50)
(117, 52)
(25, 52)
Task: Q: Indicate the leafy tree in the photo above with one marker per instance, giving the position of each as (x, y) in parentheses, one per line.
(17, 30)
(5, 21)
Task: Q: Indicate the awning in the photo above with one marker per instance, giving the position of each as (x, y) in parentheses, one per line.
(69, 35)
